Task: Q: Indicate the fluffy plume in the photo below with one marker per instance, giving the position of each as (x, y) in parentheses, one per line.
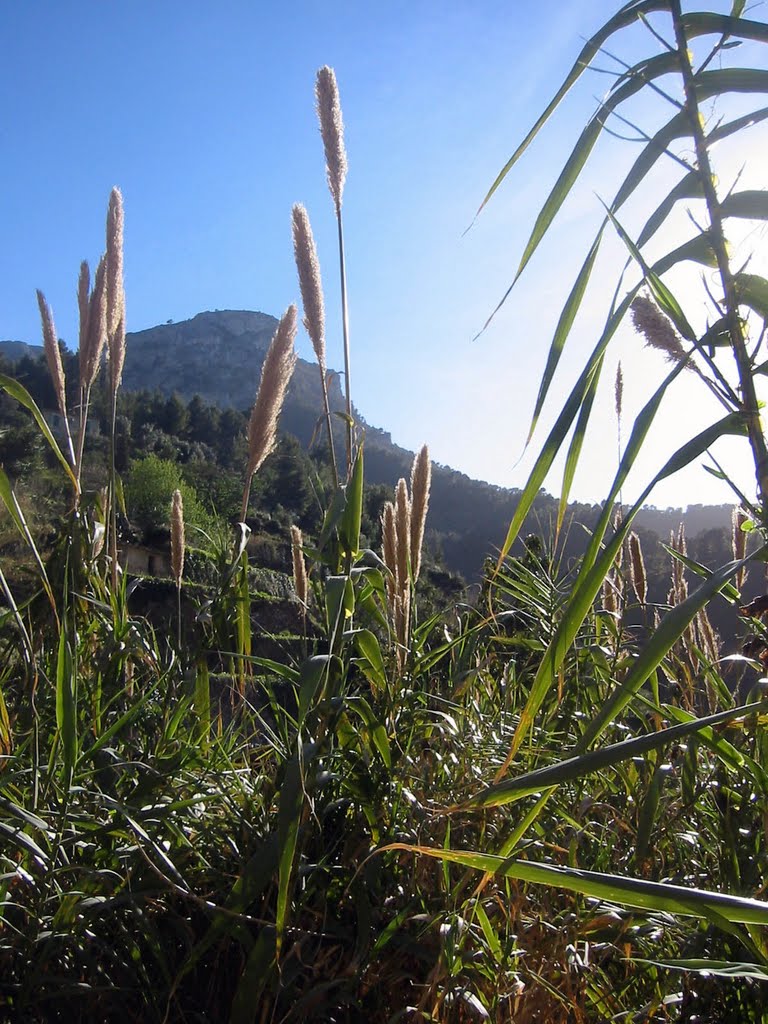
(637, 568)
(403, 532)
(619, 391)
(114, 289)
(275, 377)
(83, 297)
(389, 548)
(310, 282)
(92, 344)
(177, 537)
(332, 131)
(657, 330)
(421, 479)
(52, 354)
(299, 566)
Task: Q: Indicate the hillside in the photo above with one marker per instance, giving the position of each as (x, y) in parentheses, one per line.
(205, 356)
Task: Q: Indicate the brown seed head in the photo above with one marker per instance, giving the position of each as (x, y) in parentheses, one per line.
(275, 377)
(177, 537)
(299, 566)
(421, 479)
(657, 330)
(332, 132)
(96, 328)
(310, 282)
(52, 354)
(403, 531)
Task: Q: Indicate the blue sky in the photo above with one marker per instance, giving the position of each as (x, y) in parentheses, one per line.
(204, 115)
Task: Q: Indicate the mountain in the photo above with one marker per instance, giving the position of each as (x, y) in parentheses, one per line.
(218, 355)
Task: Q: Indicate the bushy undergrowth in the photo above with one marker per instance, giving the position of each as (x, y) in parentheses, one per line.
(546, 806)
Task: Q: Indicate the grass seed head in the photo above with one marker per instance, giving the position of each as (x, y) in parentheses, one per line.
(657, 329)
(619, 391)
(52, 353)
(299, 566)
(96, 328)
(275, 377)
(332, 132)
(421, 479)
(310, 282)
(83, 297)
(177, 537)
(115, 293)
(389, 548)
(403, 531)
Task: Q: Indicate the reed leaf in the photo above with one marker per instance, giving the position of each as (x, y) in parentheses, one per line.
(655, 897)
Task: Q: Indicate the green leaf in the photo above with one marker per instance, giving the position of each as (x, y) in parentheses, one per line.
(577, 442)
(625, 16)
(752, 291)
(678, 127)
(751, 204)
(664, 636)
(581, 765)
(202, 703)
(656, 897)
(716, 968)
(723, 80)
(589, 582)
(689, 187)
(339, 605)
(562, 425)
(661, 293)
(66, 704)
(20, 393)
(371, 661)
(349, 527)
(563, 329)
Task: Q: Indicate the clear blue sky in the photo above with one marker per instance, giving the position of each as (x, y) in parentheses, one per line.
(204, 115)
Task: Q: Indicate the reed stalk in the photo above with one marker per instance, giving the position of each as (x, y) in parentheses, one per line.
(749, 401)
(310, 282)
(332, 132)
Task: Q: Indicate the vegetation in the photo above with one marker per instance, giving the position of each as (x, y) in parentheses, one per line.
(546, 806)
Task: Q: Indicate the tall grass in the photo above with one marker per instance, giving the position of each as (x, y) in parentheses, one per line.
(544, 806)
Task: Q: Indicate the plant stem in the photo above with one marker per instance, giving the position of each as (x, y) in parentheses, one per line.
(749, 402)
(345, 329)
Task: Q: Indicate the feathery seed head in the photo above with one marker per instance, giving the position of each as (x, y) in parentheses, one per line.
(657, 329)
(96, 327)
(275, 377)
(115, 293)
(421, 479)
(299, 566)
(637, 568)
(389, 548)
(332, 132)
(619, 390)
(403, 532)
(52, 354)
(177, 537)
(83, 295)
(310, 282)
(114, 260)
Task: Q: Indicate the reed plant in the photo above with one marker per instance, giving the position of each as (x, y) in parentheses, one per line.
(544, 805)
